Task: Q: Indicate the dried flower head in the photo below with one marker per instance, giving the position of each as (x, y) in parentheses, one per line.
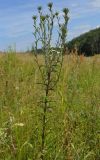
(34, 17)
(65, 10)
(57, 13)
(39, 8)
(50, 5)
(42, 18)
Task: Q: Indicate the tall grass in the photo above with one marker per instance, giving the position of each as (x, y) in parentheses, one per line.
(73, 120)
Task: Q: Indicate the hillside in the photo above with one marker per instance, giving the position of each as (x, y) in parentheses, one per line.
(87, 43)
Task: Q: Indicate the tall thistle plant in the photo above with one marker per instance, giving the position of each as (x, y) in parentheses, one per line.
(52, 52)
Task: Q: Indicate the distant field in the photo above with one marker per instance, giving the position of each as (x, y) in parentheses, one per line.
(73, 121)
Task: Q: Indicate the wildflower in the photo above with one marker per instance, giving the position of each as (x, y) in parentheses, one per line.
(19, 124)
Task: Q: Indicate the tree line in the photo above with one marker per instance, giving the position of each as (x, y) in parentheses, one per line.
(87, 43)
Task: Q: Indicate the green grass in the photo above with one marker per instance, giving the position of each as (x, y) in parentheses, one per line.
(73, 122)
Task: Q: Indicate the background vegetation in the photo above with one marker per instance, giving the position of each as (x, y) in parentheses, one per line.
(87, 43)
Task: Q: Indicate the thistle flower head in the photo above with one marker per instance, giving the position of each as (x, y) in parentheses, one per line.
(39, 8)
(42, 18)
(65, 10)
(34, 17)
(57, 13)
(50, 5)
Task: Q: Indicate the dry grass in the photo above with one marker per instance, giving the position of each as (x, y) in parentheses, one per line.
(72, 121)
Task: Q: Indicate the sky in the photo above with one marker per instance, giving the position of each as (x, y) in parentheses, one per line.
(16, 24)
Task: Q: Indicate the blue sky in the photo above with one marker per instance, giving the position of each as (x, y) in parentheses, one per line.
(16, 19)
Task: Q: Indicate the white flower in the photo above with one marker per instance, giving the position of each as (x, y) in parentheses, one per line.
(17, 88)
(19, 124)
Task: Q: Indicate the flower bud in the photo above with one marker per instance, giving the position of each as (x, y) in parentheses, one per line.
(65, 10)
(39, 8)
(43, 18)
(50, 5)
(34, 17)
(57, 13)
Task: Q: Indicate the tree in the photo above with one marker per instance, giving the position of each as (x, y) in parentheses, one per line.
(88, 43)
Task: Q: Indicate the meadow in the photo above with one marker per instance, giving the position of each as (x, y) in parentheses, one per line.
(72, 121)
